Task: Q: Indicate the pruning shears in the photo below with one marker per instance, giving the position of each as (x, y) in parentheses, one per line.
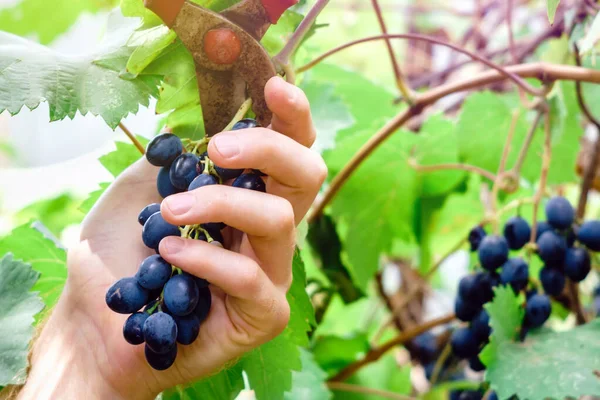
(231, 64)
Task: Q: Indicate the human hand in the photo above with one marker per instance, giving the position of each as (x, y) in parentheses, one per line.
(81, 350)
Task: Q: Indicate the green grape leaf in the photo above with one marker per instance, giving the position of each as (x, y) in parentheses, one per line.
(222, 386)
(587, 43)
(506, 317)
(115, 162)
(329, 112)
(309, 382)
(548, 365)
(277, 35)
(437, 145)
(484, 124)
(55, 213)
(302, 313)
(28, 244)
(333, 352)
(18, 307)
(552, 5)
(375, 208)
(31, 73)
(24, 19)
(148, 45)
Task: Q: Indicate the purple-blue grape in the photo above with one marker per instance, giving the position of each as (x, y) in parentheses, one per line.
(475, 364)
(245, 123)
(133, 329)
(154, 272)
(493, 252)
(476, 235)
(228, 173)
(160, 361)
(184, 170)
(163, 183)
(542, 227)
(480, 325)
(465, 310)
(552, 249)
(517, 233)
(202, 180)
(163, 149)
(160, 332)
(156, 229)
(515, 272)
(464, 343)
(537, 310)
(181, 294)
(589, 235)
(470, 395)
(577, 264)
(147, 212)
(250, 181)
(425, 347)
(126, 296)
(553, 280)
(188, 328)
(559, 213)
(469, 289)
(204, 302)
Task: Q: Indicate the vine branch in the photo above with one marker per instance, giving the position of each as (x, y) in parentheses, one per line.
(133, 139)
(542, 71)
(546, 158)
(464, 167)
(375, 353)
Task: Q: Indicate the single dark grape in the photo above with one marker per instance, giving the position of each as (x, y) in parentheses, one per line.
(493, 252)
(202, 180)
(469, 289)
(475, 364)
(181, 294)
(480, 325)
(158, 361)
(214, 226)
(537, 310)
(476, 235)
(552, 249)
(154, 272)
(455, 394)
(250, 181)
(571, 236)
(183, 170)
(559, 213)
(589, 235)
(470, 395)
(200, 282)
(515, 273)
(464, 343)
(577, 264)
(204, 302)
(245, 123)
(258, 172)
(133, 328)
(156, 229)
(126, 296)
(542, 227)
(188, 328)
(147, 212)
(160, 332)
(429, 367)
(553, 281)
(492, 396)
(226, 173)
(163, 183)
(517, 233)
(215, 234)
(425, 347)
(163, 149)
(487, 281)
(465, 310)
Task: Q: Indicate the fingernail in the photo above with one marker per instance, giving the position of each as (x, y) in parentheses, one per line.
(172, 245)
(226, 145)
(179, 204)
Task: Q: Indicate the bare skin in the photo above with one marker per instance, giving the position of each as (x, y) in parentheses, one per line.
(81, 350)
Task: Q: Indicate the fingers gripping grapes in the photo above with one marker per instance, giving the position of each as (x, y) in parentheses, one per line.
(232, 207)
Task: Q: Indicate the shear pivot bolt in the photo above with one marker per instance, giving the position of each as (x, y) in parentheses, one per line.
(222, 46)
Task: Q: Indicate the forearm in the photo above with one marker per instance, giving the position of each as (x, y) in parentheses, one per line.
(63, 366)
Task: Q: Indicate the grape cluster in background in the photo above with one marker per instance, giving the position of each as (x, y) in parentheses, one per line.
(174, 302)
(562, 244)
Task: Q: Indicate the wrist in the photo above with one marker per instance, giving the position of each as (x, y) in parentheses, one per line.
(63, 363)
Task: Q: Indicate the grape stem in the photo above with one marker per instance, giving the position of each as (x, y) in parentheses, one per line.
(240, 114)
(405, 90)
(437, 368)
(348, 387)
(542, 71)
(546, 158)
(502, 165)
(376, 352)
(133, 139)
(451, 166)
(516, 169)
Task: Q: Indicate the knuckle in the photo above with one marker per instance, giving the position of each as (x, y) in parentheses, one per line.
(321, 171)
(281, 317)
(250, 278)
(285, 220)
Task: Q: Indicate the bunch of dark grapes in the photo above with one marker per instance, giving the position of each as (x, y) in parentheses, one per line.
(175, 303)
(562, 245)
